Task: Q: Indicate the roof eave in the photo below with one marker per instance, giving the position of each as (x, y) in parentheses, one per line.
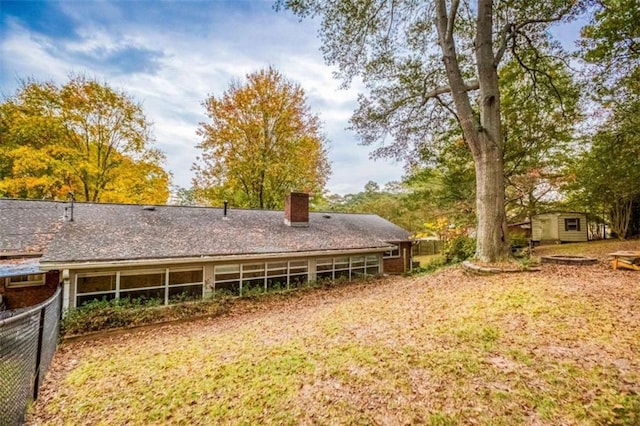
(96, 264)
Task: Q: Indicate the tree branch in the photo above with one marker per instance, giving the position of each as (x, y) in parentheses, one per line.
(452, 18)
(510, 29)
(468, 86)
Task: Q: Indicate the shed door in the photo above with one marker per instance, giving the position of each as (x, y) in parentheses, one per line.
(547, 230)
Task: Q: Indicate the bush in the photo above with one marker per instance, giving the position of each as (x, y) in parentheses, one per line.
(459, 249)
(429, 267)
(106, 314)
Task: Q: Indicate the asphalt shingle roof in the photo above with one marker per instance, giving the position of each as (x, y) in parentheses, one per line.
(102, 232)
(28, 226)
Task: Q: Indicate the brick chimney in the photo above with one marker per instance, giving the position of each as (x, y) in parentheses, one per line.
(296, 209)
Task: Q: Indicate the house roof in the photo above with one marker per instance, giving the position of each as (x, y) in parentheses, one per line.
(112, 232)
(27, 227)
(13, 267)
(557, 213)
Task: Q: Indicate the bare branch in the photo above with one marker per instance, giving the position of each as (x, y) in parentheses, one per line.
(505, 35)
(510, 30)
(452, 18)
(448, 108)
(468, 86)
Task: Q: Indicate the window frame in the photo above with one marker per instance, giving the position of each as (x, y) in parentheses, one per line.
(28, 283)
(572, 224)
(118, 292)
(394, 253)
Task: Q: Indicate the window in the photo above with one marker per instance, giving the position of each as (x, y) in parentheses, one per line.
(95, 287)
(227, 278)
(373, 265)
(185, 284)
(347, 268)
(28, 280)
(572, 224)
(239, 278)
(395, 252)
(168, 285)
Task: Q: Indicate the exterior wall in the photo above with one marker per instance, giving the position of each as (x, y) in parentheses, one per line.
(551, 227)
(209, 271)
(401, 263)
(536, 229)
(572, 236)
(21, 297)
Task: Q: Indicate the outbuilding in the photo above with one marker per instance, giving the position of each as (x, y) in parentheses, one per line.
(559, 227)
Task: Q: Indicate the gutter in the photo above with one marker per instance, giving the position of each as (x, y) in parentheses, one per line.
(50, 266)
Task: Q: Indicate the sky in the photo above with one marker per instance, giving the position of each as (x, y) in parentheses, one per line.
(171, 55)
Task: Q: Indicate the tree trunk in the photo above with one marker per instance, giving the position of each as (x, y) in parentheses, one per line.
(484, 136)
(491, 232)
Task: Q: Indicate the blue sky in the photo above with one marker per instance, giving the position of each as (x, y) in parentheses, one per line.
(170, 55)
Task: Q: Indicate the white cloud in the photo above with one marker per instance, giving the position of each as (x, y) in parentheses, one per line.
(189, 62)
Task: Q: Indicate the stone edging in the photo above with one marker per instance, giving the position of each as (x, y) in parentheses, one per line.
(484, 270)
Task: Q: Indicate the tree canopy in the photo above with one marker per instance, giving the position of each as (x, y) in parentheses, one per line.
(262, 141)
(82, 137)
(423, 62)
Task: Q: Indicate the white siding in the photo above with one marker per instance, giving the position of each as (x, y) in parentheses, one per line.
(572, 236)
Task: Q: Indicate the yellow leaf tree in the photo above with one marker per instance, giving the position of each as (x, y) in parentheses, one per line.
(261, 142)
(83, 137)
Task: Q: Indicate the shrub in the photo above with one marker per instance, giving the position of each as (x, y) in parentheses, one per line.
(429, 267)
(105, 314)
(459, 249)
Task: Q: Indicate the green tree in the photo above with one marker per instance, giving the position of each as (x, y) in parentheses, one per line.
(262, 142)
(83, 137)
(611, 44)
(606, 178)
(423, 61)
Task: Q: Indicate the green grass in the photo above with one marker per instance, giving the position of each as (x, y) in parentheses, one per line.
(441, 349)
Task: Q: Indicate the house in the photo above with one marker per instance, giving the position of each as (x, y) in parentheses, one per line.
(111, 251)
(559, 227)
(26, 228)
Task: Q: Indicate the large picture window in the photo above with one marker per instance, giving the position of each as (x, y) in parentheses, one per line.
(237, 279)
(347, 268)
(167, 285)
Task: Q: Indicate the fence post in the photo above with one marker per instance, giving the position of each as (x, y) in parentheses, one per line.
(36, 380)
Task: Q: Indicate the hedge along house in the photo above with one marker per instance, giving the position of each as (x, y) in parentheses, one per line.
(559, 227)
(112, 251)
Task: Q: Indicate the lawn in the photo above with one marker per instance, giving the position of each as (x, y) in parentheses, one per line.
(560, 346)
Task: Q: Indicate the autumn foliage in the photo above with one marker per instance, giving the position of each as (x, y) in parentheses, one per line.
(262, 141)
(82, 137)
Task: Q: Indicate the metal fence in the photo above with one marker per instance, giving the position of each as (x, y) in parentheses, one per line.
(27, 343)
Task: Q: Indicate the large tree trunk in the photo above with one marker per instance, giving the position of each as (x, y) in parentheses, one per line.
(489, 161)
(484, 136)
(491, 230)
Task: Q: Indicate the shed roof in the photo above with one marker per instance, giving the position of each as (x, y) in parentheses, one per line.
(111, 232)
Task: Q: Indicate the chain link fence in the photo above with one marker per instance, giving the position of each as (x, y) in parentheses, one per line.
(28, 341)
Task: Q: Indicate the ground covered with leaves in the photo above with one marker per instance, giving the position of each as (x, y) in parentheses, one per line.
(559, 346)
